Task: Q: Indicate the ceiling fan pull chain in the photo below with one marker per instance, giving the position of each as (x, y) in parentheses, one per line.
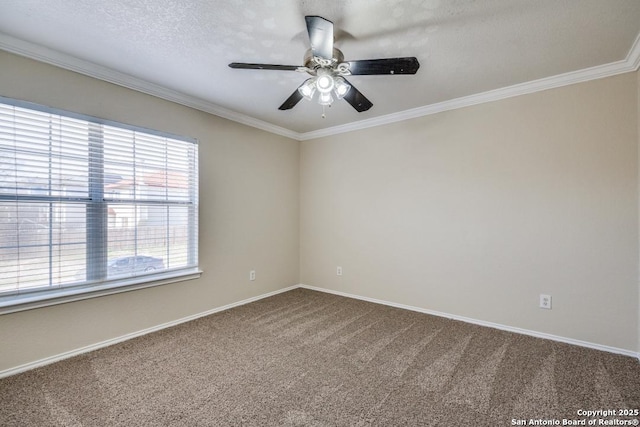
(324, 116)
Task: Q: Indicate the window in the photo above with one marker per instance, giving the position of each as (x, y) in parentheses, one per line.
(89, 206)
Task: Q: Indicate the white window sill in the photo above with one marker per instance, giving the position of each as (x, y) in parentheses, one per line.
(28, 301)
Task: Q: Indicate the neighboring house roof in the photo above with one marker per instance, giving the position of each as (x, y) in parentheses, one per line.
(166, 179)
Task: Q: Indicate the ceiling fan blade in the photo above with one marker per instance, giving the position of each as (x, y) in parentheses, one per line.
(246, 66)
(320, 36)
(291, 101)
(407, 65)
(357, 99)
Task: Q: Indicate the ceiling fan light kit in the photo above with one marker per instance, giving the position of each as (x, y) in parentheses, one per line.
(324, 83)
(308, 89)
(342, 87)
(326, 65)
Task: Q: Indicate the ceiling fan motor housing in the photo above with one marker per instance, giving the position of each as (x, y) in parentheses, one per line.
(314, 62)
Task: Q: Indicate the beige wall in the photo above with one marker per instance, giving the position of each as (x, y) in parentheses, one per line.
(248, 216)
(475, 212)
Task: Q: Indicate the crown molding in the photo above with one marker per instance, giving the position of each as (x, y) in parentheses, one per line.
(68, 62)
(629, 64)
(49, 56)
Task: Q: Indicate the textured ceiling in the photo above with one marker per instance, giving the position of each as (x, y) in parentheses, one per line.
(465, 47)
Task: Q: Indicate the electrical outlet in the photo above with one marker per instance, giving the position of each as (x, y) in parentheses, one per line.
(545, 301)
(339, 271)
(252, 275)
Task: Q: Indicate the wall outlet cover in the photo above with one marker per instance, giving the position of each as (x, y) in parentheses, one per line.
(545, 301)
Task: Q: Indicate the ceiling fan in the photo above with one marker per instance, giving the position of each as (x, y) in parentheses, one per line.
(328, 69)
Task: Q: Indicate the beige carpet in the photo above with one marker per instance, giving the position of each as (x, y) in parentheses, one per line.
(305, 358)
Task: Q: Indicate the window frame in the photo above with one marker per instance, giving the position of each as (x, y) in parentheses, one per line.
(25, 299)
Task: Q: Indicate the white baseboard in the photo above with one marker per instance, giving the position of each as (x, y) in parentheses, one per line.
(96, 346)
(484, 323)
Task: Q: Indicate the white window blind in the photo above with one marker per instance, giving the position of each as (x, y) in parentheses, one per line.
(87, 204)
